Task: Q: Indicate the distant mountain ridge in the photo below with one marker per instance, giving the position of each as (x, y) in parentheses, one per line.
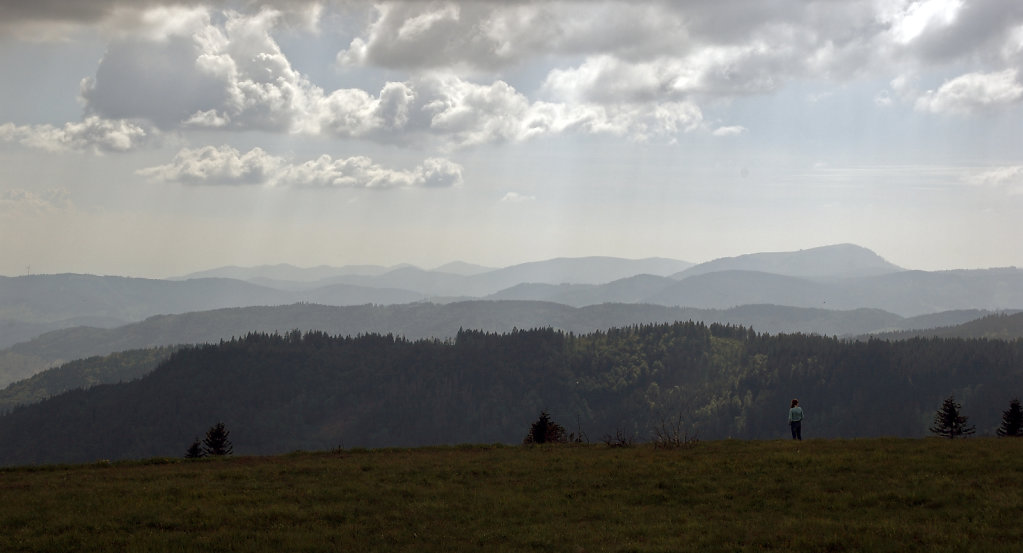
(906, 293)
(427, 320)
(33, 304)
(837, 261)
(840, 277)
(286, 272)
(582, 270)
(125, 364)
(450, 278)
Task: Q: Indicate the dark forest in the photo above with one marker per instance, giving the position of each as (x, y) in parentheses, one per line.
(313, 391)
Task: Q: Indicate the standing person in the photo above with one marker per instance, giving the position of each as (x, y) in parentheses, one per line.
(796, 420)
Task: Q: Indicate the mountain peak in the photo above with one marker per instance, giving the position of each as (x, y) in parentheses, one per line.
(834, 261)
(463, 268)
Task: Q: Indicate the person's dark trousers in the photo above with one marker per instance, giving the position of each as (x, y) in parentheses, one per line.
(797, 430)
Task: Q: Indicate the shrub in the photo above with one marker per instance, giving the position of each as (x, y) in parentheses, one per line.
(620, 439)
(669, 435)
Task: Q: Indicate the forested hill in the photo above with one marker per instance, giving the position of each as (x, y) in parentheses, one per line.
(1003, 326)
(428, 320)
(314, 391)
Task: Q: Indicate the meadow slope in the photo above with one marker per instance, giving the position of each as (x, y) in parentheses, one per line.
(872, 495)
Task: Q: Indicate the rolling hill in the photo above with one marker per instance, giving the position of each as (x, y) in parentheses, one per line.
(426, 320)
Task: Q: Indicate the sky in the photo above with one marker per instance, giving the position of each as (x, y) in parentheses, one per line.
(154, 139)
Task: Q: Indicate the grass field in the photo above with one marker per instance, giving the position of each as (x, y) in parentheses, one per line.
(817, 495)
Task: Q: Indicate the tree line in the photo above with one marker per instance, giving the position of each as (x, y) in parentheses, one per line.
(282, 392)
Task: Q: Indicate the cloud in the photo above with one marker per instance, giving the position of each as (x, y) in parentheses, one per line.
(516, 198)
(41, 20)
(723, 46)
(940, 31)
(883, 99)
(182, 68)
(733, 130)
(484, 36)
(451, 112)
(224, 165)
(666, 51)
(910, 20)
(93, 134)
(638, 71)
(28, 201)
(217, 165)
(717, 71)
(361, 172)
(1008, 178)
(445, 107)
(436, 172)
(973, 92)
(53, 19)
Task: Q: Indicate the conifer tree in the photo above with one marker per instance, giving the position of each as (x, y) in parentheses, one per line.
(195, 450)
(949, 423)
(216, 441)
(545, 430)
(1012, 421)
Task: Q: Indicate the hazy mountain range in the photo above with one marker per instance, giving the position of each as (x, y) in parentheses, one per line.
(140, 341)
(429, 320)
(841, 290)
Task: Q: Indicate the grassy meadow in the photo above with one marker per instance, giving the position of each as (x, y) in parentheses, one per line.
(818, 495)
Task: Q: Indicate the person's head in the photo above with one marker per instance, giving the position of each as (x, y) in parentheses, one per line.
(794, 403)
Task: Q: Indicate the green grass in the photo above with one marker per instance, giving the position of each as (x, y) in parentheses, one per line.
(819, 495)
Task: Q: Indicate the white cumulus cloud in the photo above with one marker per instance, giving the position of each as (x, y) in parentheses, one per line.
(225, 165)
(188, 69)
(217, 165)
(641, 71)
(362, 172)
(1008, 178)
(446, 110)
(973, 92)
(488, 35)
(696, 52)
(93, 134)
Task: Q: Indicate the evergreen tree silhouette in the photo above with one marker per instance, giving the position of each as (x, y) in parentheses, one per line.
(1012, 421)
(545, 430)
(216, 441)
(949, 423)
(195, 450)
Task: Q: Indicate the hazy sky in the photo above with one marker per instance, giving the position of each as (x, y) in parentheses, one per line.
(148, 138)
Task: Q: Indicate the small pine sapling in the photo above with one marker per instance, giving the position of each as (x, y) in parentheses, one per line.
(195, 450)
(545, 431)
